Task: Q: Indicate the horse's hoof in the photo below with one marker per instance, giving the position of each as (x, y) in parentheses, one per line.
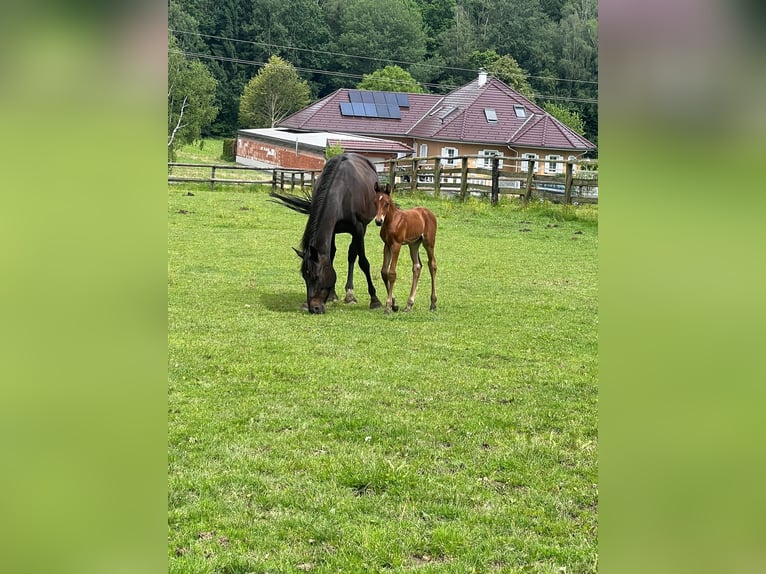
(433, 307)
(388, 311)
(375, 304)
(350, 299)
(408, 308)
(395, 308)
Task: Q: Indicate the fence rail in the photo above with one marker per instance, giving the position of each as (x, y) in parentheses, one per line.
(577, 182)
(276, 177)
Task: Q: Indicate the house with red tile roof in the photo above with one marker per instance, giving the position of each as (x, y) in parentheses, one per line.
(482, 118)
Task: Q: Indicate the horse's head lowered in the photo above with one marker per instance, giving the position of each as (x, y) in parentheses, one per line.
(382, 202)
(319, 275)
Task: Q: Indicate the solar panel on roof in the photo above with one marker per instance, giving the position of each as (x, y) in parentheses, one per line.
(354, 96)
(379, 97)
(371, 110)
(358, 109)
(346, 109)
(395, 112)
(403, 100)
(391, 99)
(383, 111)
(367, 97)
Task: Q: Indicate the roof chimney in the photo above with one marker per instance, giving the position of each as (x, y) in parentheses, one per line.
(482, 77)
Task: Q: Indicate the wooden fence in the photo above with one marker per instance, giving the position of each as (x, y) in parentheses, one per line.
(436, 175)
(276, 177)
(577, 184)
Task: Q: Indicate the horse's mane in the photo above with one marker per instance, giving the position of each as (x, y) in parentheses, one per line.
(318, 199)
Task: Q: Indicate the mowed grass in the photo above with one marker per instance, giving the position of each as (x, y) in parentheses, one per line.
(460, 440)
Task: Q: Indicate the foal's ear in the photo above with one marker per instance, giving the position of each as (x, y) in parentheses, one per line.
(377, 187)
(387, 191)
(298, 253)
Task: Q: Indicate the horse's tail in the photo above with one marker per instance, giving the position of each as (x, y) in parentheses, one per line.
(294, 202)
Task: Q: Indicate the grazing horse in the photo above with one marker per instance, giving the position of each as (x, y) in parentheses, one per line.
(404, 227)
(343, 201)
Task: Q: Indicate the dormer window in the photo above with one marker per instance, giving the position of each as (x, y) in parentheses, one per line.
(520, 111)
(491, 116)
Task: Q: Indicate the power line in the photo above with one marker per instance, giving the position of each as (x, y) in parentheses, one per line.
(314, 51)
(358, 76)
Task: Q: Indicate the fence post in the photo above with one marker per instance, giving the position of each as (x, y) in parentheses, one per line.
(530, 175)
(212, 178)
(282, 180)
(292, 181)
(437, 176)
(568, 184)
(414, 179)
(392, 173)
(495, 180)
(273, 180)
(464, 178)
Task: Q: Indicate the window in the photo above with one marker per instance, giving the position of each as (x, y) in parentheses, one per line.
(552, 165)
(491, 116)
(525, 164)
(486, 160)
(449, 154)
(520, 111)
(423, 150)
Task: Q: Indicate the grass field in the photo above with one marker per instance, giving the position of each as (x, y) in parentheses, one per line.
(461, 440)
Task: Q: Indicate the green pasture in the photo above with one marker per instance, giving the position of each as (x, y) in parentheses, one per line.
(460, 440)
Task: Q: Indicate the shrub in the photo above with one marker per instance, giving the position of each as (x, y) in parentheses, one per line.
(229, 152)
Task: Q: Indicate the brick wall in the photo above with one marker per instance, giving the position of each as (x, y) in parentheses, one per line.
(278, 155)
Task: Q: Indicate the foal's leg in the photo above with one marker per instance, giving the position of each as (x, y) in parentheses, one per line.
(432, 268)
(416, 267)
(391, 256)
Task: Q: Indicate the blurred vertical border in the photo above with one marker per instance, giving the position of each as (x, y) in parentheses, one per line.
(83, 291)
(682, 120)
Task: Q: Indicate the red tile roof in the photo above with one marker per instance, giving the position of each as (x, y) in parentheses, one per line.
(457, 117)
(325, 115)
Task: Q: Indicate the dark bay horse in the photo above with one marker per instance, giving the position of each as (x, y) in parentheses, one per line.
(404, 227)
(343, 201)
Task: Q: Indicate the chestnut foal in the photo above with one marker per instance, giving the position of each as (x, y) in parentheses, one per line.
(404, 227)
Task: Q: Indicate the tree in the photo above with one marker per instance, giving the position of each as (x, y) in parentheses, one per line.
(191, 91)
(390, 79)
(272, 94)
(504, 68)
(375, 31)
(566, 116)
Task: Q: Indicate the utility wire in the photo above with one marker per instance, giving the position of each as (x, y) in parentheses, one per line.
(360, 76)
(314, 51)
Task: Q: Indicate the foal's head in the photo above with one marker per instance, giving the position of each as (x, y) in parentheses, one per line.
(383, 202)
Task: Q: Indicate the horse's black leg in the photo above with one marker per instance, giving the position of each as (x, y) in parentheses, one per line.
(352, 252)
(333, 295)
(364, 264)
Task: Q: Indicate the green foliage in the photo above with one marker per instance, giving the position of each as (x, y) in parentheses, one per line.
(191, 91)
(461, 440)
(390, 79)
(505, 69)
(229, 149)
(272, 95)
(566, 116)
(554, 43)
(332, 150)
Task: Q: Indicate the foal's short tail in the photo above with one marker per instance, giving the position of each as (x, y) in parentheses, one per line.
(294, 202)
